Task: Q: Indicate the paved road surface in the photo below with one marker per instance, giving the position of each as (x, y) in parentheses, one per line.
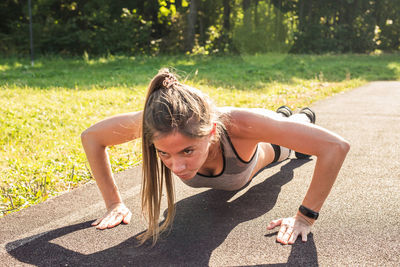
(359, 223)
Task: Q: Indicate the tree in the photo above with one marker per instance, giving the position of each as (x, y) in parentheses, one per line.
(73, 27)
(192, 19)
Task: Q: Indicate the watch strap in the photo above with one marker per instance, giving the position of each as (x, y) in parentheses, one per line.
(308, 212)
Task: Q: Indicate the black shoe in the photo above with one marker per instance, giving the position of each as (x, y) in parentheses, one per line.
(311, 115)
(285, 111)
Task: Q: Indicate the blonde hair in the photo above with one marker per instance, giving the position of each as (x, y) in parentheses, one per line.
(170, 106)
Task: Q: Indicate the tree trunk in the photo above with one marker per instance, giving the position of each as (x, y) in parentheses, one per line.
(178, 4)
(192, 18)
(246, 12)
(227, 14)
(256, 20)
(246, 4)
(301, 15)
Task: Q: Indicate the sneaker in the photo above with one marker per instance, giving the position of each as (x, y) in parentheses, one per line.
(285, 111)
(311, 115)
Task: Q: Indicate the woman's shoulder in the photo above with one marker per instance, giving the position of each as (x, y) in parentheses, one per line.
(240, 121)
(244, 115)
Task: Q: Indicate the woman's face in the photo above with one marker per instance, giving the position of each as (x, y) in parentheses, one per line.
(183, 155)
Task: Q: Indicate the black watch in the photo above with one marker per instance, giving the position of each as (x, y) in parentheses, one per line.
(308, 213)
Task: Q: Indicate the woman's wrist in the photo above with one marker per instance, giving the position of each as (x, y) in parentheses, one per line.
(112, 198)
(114, 205)
(309, 213)
(304, 219)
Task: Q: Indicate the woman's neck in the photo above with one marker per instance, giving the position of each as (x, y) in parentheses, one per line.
(214, 162)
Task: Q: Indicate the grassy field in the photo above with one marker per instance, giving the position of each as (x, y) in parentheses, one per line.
(43, 109)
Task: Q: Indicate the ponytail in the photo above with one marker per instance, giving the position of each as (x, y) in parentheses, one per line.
(154, 171)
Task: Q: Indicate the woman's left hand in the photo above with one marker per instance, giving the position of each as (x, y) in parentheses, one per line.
(291, 228)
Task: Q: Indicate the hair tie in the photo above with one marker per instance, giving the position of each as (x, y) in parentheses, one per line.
(169, 81)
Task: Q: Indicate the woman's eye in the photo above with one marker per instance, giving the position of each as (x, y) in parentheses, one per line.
(188, 151)
(161, 153)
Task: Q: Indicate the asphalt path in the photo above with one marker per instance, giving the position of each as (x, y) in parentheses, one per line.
(359, 224)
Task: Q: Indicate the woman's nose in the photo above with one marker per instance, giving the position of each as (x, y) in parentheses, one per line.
(178, 166)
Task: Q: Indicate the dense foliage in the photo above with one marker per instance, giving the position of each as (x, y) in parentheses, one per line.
(74, 27)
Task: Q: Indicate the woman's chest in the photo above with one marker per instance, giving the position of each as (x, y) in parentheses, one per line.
(241, 149)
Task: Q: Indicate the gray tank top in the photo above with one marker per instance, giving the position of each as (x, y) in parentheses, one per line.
(235, 174)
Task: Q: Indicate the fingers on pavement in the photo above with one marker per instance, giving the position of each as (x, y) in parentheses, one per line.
(281, 233)
(274, 224)
(127, 218)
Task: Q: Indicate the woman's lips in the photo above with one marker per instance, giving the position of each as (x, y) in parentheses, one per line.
(184, 176)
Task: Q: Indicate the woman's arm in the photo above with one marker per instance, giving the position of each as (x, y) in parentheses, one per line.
(329, 148)
(112, 131)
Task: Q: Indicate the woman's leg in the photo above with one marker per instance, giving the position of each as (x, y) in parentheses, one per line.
(271, 153)
(281, 153)
(305, 115)
(268, 154)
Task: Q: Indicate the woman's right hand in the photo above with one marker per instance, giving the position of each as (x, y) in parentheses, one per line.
(116, 214)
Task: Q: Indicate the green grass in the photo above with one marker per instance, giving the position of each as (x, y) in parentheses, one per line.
(43, 109)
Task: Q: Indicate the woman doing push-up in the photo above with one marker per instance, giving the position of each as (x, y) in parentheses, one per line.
(222, 148)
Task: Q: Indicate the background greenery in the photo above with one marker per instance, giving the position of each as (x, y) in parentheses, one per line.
(43, 109)
(101, 27)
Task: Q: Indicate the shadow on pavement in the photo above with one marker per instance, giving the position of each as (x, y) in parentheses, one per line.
(202, 223)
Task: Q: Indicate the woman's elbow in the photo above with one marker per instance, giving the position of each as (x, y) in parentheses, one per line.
(341, 148)
(87, 136)
(337, 149)
(346, 146)
(84, 136)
